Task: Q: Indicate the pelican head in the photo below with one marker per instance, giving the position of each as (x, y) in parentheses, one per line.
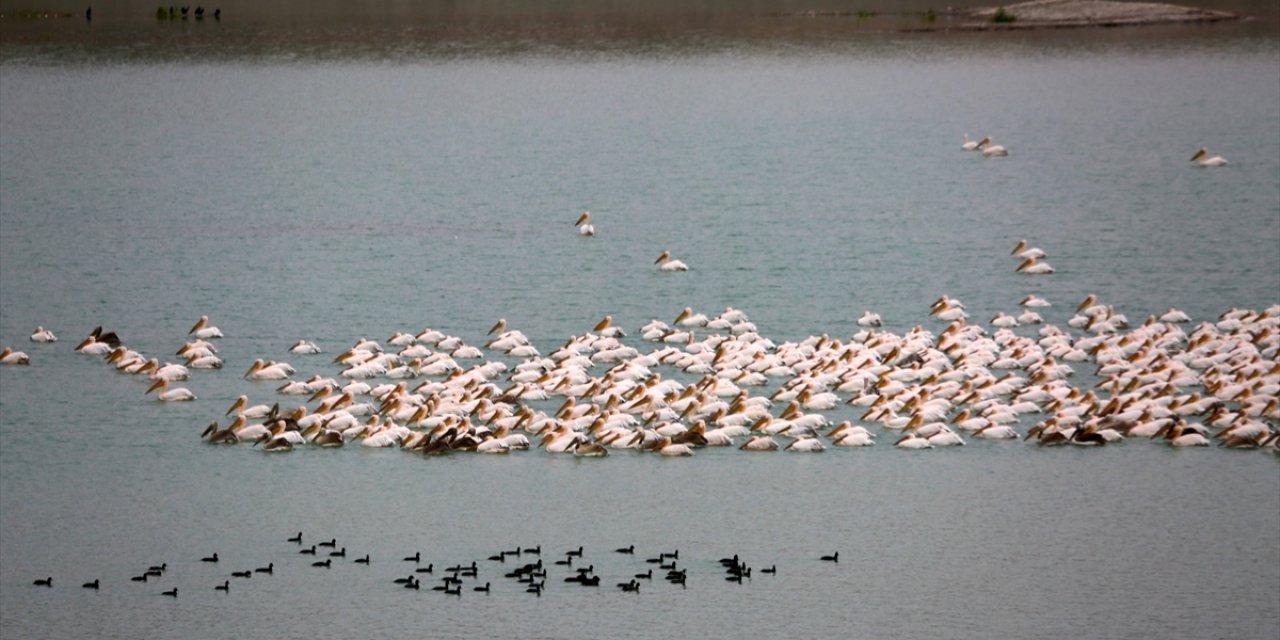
(582, 219)
(1200, 154)
(500, 325)
(200, 324)
(666, 255)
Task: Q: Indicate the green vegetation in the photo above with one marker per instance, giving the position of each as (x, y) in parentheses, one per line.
(1003, 16)
(867, 14)
(931, 16)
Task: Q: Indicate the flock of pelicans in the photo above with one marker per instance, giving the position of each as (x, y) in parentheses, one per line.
(529, 576)
(992, 150)
(1163, 380)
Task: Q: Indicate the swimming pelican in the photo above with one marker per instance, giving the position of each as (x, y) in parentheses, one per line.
(1215, 161)
(869, 319)
(1023, 251)
(970, 145)
(203, 331)
(9, 356)
(993, 150)
(268, 371)
(42, 334)
(1033, 266)
(499, 326)
(180, 394)
(585, 228)
(1034, 301)
(670, 265)
(302, 347)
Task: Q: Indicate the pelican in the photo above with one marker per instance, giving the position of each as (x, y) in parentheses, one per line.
(869, 319)
(913, 441)
(240, 407)
(268, 371)
(1034, 301)
(688, 318)
(302, 347)
(91, 346)
(42, 334)
(759, 443)
(1215, 161)
(1034, 267)
(1174, 316)
(807, 444)
(1023, 251)
(670, 265)
(498, 327)
(992, 150)
(585, 228)
(970, 145)
(9, 356)
(203, 331)
(166, 394)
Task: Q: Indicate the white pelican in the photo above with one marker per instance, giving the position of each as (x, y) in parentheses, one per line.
(1034, 267)
(203, 331)
(9, 356)
(1023, 251)
(241, 407)
(869, 319)
(1034, 301)
(268, 371)
(970, 145)
(91, 346)
(498, 327)
(42, 334)
(993, 150)
(302, 347)
(759, 443)
(585, 228)
(688, 318)
(166, 394)
(1215, 161)
(1174, 315)
(667, 264)
(807, 445)
(913, 441)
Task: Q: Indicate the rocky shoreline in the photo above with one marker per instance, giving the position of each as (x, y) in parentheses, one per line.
(1058, 14)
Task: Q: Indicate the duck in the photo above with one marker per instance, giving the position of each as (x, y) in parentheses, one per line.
(585, 228)
(172, 593)
(225, 586)
(212, 558)
(835, 557)
(1201, 158)
(44, 582)
(668, 264)
(203, 331)
(269, 569)
(91, 585)
(326, 563)
(9, 356)
(297, 538)
(42, 334)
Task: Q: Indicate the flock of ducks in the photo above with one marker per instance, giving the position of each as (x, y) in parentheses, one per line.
(717, 382)
(527, 576)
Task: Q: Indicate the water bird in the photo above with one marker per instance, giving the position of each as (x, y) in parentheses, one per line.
(180, 394)
(141, 578)
(773, 568)
(484, 589)
(9, 356)
(158, 567)
(212, 558)
(45, 582)
(970, 145)
(225, 586)
(456, 591)
(326, 563)
(303, 347)
(364, 560)
(413, 584)
(333, 542)
(297, 538)
(91, 585)
(416, 557)
(1034, 267)
(537, 551)
(648, 575)
(993, 150)
(203, 331)
(632, 586)
(242, 574)
(585, 228)
(338, 554)
(835, 557)
(1204, 161)
(43, 335)
(629, 549)
(577, 553)
(667, 264)
(269, 569)
(427, 569)
(310, 552)
(172, 593)
(403, 580)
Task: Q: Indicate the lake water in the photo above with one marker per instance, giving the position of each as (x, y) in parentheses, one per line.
(333, 188)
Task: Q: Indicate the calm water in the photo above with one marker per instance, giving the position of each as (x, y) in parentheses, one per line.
(334, 192)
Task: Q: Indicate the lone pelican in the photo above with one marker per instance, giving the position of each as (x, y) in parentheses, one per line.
(1215, 161)
(584, 225)
(670, 265)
